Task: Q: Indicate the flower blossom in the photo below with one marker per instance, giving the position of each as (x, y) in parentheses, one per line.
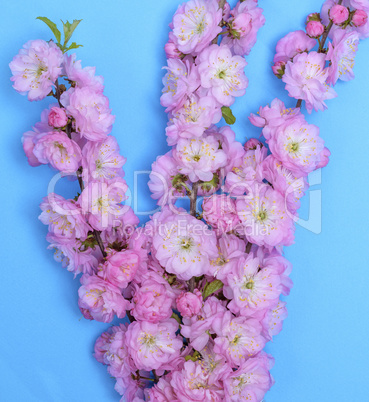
(341, 54)
(153, 299)
(35, 68)
(82, 77)
(102, 160)
(101, 201)
(189, 303)
(180, 81)
(199, 158)
(64, 217)
(100, 299)
(250, 381)
(153, 346)
(297, 146)
(292, 44)
(193, 118)
(247, 20)
(93, 118)
(222, 74)
(184, 246)
(60, 151)
(195, 24)
(264, 217)
(305, 79)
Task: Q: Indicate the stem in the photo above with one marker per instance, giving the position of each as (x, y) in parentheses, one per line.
(248, 247)
(130, 317)
(193, 198)
(221, 6)
(326, 33)
(155, 376)
(299, 103)
(57, 93)
(191, 284)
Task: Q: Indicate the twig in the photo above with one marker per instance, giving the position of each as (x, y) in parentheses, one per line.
(193, 198)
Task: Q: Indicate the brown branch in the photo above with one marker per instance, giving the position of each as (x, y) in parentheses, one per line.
(193, 198)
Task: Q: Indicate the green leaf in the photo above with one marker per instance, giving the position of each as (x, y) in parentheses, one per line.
(68, 29)
(73, 46)
(228, 115)
(52, 26)
(211, 288)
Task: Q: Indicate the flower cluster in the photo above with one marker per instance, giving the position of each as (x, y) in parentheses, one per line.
(203, 288)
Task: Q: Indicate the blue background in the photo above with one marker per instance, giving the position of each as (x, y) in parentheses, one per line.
(45, 349)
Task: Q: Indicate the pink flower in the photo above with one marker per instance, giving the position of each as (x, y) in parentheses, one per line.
(199, 158)
(153, 299)
(250, 382)
(93, 119)
(253, 287)
(161, 392)
(82, 77)
(193, 383)
(57, 149)
(273, 320)
(195, 24)
(153, 346)
(180, 81)
(237, 338)
(285, 182)
(189, 304)
(64, 217)
(314, 29)
(184, 246)
(297, 146)
(359, 18)
(193, 118)
(341, 54)
(102, 345)
(73, 254)
(278, 68)
(222, 73)
(199, 328)
(243, 175)
(273, 116)
(120, 267)
(35, 68)
(248, 19)
(263, 215)
(57, 117)
(163, 171)
(101, 299)
(230, 249)
(219, 211)
(101, 201)
(292, 44)
(324, 158)
(338, 14)
(305, 79)
(171, 49)
(102, 160)
(29, 140)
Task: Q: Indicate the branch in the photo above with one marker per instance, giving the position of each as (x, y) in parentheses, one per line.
(193, 198)
(326, 33)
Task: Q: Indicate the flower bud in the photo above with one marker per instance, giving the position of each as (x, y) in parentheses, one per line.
(57, 117)
(338, 14)
(314, 29)
(189, 304)
(252, 143)
(279, 68)
(359, 18)
(171, 51)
